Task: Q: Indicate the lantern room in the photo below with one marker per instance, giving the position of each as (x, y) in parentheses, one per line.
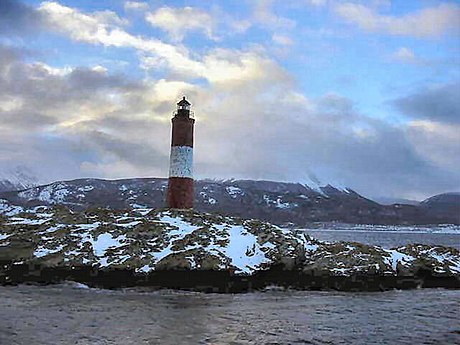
(183, 108)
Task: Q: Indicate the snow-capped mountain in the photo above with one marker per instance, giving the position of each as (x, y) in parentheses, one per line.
(276, 202)
(17, 178)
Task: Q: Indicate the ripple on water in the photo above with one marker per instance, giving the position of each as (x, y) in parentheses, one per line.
(68, 314)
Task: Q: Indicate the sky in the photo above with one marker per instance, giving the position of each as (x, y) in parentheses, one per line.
(361, 94)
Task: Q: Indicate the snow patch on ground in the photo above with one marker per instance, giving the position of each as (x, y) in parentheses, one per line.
(106, 241)
(278, 203)
(4, 236)
(26, 221)
(208, 199)
(395, 257)
(43, 251)
(243, 250)
(9, 210)
(139, 207)
(130, 224)
(182, 227)
(87, 188)
(234, 192)
(442, 259)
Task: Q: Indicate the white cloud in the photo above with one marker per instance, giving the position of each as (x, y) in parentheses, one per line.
(135, 6)
(404, 55)
(237, 26)
(94, 28)
(177, 22)
(282, 39)
(235, 67)
(40, 66)
(428, 22)
(103, 29)
(10, 103)
(217, 66)
(264, 15)
(316, 2)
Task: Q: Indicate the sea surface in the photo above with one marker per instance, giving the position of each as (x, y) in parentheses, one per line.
(73, 314)
(390, 236)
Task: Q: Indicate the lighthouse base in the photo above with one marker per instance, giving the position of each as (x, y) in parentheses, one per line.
(180, 192)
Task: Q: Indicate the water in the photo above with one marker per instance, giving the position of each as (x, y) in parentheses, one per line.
(65, 314)
(388, 239)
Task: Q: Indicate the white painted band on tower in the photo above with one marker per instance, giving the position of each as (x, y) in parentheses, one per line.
(181, 162)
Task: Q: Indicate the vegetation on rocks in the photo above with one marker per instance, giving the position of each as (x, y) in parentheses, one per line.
(145, 241)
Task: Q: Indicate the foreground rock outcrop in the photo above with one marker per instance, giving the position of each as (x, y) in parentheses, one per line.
(186, 249)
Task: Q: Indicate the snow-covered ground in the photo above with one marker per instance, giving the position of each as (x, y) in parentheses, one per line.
(146, 239)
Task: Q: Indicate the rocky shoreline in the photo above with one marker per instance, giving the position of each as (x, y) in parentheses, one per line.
(204, 252)
(220, 281)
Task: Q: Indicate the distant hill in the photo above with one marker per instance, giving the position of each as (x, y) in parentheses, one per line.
(278, 202)
(443, 204)
(17, 178)
(442, 200)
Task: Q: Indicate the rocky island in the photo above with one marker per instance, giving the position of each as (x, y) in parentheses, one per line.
(201, 251)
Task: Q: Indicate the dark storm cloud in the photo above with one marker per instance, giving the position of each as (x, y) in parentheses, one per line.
(17, 18)
(60, 121)
(46, 96)
(8, 55)
(386, 164)
(27, 120)
(139, 154)
(440, 103)
(331, 140)
(89, 80)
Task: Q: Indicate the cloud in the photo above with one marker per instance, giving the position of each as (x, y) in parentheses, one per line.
(264, 15)
(135, 6)
(403, 55)
(177, 22)
(439, 143)
(316, 2)
(282, 40)
(217, 65)
(17, 18)
(76, 118)
(428, 22)
(103, 28)
(437, 103)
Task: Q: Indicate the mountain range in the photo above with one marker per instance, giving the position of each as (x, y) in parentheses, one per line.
(281, 203)
(17, 178)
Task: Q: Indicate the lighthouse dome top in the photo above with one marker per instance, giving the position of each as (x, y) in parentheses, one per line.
(183, 109)
(184, 102)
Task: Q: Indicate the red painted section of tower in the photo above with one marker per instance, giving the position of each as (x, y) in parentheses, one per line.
(180, 184)
(182, 131)
(180, 192)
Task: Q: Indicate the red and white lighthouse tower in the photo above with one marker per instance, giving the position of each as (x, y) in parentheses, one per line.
(180, 184)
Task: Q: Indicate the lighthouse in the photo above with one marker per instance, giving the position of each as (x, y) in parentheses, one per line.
(180, 183)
